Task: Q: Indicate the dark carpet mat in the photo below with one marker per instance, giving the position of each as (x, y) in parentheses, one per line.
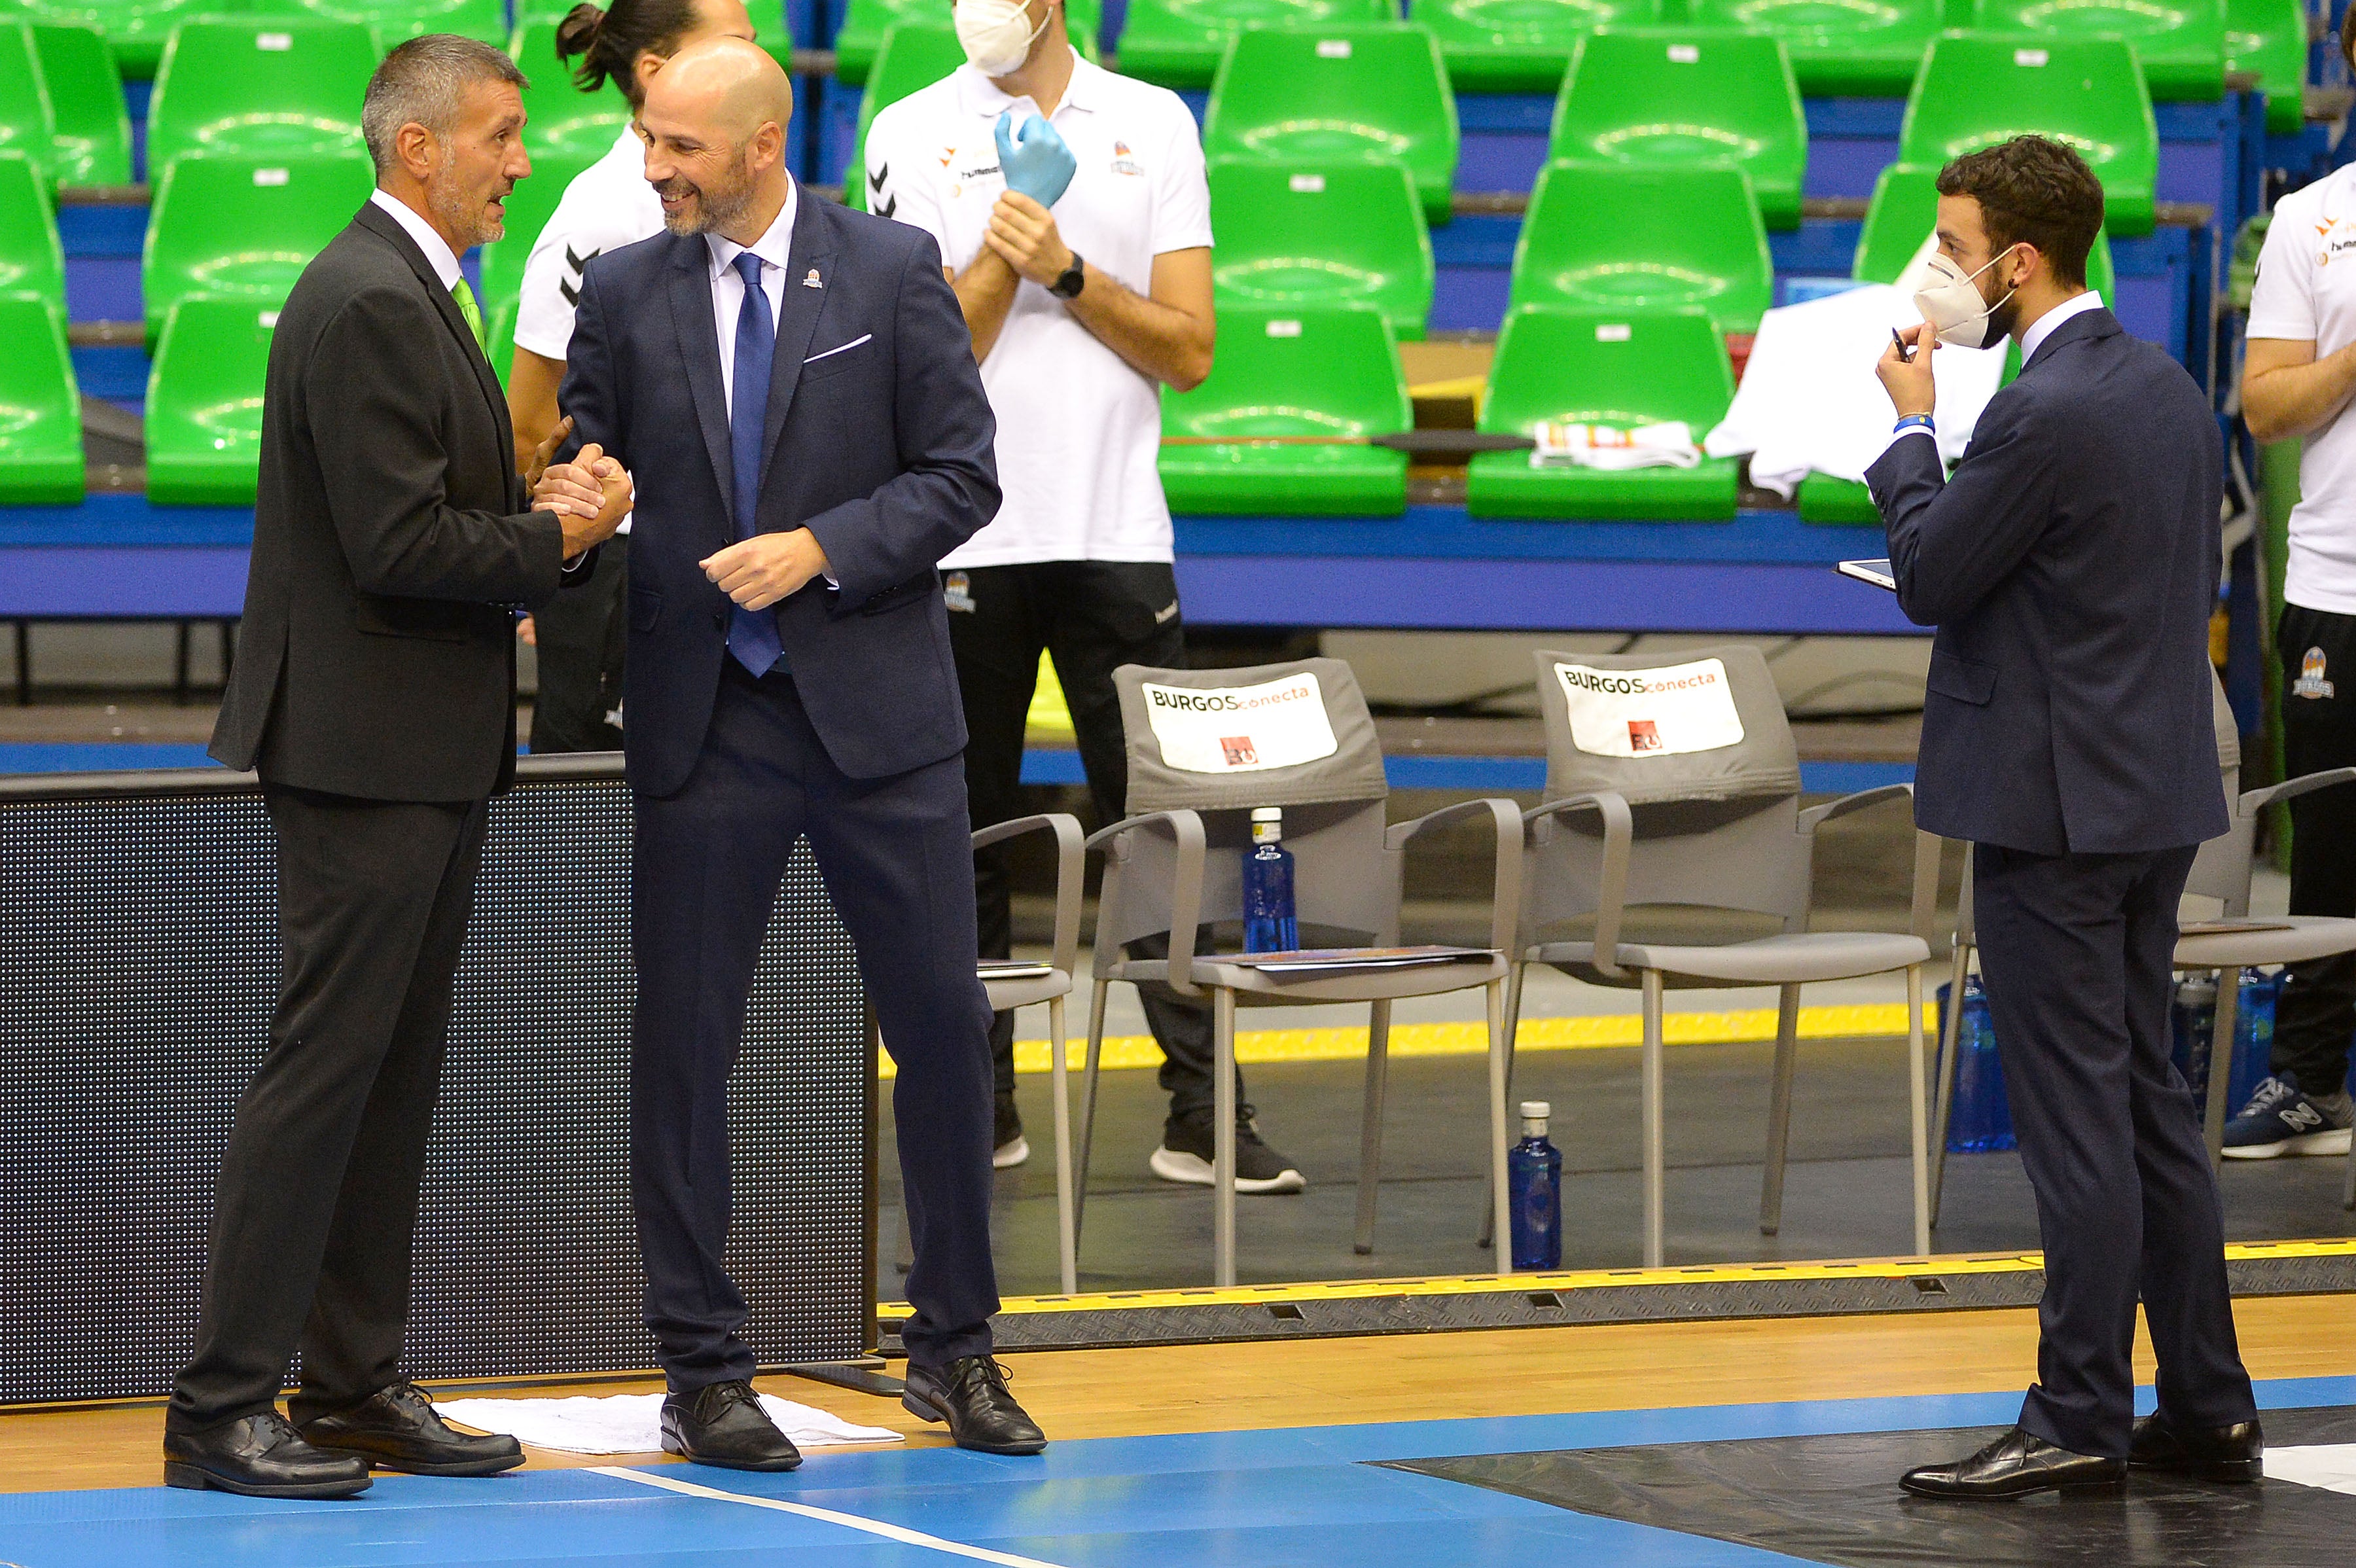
(1835, 1499)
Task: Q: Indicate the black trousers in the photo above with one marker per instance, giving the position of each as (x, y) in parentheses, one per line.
(2076, 949)
(1091, 617)
(705, 869)
(2315, 1014)
(318, 1200)
(580, 636)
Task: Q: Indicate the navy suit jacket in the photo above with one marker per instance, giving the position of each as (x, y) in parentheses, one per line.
(878, 441)
(2069, 566)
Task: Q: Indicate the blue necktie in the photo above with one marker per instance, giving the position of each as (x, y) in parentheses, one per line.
(751, 634)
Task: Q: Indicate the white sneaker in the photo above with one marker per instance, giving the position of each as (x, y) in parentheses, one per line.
(1186, 1152)
(1006, 1157)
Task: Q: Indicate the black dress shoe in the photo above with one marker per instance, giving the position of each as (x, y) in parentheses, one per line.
(723, 1425)
(258, 1457)
(395, 1429)
(2012, 1466)
(2235, 1452)
(970, 1393)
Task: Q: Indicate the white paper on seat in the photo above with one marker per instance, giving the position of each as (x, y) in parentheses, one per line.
(632, 1424)
(1240, 729)
(1810, 402)
(1307, 960)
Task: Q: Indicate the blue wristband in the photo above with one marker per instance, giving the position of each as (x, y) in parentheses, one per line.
(1911, 420)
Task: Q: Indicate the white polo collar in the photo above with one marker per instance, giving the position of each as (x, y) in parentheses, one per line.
(979, 95)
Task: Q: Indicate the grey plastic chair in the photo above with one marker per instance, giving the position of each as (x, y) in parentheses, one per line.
(2221, 870)
(1717, 829)
(1174, 870)
(1007, 993)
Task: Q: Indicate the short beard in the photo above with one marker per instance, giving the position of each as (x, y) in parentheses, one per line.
(714, 210)
(456, 215)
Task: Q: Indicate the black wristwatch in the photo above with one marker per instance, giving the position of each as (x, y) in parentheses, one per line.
(1075, 277)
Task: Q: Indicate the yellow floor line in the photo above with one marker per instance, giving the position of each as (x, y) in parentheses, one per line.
(1591, 1278)
(1591, 1033)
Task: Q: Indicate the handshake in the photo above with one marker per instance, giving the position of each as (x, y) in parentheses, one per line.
(590, 495)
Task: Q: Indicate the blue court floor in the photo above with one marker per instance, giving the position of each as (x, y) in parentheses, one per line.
(1303, 1498)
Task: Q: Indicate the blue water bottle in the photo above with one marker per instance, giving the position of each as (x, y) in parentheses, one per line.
(1269, 923)
(1534, 1192)
(2254, 1037)
(2192, 1020)
(1980, 1119)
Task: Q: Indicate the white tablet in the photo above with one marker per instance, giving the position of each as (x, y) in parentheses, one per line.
(1878, 573)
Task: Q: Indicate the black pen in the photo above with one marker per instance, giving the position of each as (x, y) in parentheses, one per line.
(1904, 352)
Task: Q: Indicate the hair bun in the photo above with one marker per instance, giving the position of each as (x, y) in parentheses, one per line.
(577, 33)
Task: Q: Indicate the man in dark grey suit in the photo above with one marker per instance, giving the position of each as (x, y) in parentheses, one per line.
(795, 389)
(2071, 565)
(375, 695)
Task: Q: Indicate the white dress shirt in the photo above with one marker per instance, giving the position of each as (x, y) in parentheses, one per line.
(728, 288)
(437, 251)
(2077, 305)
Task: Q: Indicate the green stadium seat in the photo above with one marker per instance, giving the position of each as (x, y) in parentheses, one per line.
(1356, 92)
(394, 20)
(1329, 370)
(1838, 48)
(562, 121)
(26, 123)
(244, 227)
(530, 207)
(1602, 367)
(1681, 97)
(1522, 46)
(270, 87)
(41, 409)
(1974, 91)
(1905, 208)
(1179, 43)
(204, 402)
(2180, 44)
(92, 144)
(2267, 39)
(31, 261)
(135, 30)
(912, 56)
(865, 23)
(1609, 237)
(1296, 236)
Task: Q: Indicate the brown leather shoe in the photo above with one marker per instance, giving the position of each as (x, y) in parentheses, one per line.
(396, 1429)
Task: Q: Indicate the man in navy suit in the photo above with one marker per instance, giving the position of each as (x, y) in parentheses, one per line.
(2070, 565)
(796, 391)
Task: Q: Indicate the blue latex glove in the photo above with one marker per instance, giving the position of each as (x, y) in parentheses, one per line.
(1038, 165)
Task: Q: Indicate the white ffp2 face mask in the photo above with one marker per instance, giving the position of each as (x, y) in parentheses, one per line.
(996, 34)
(1953, 306)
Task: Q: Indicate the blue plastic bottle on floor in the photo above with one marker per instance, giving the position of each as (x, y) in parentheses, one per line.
(1269, 923)
(2254, 1037)
(1980, 1119)
(1534, 1192)
(2192, 1020)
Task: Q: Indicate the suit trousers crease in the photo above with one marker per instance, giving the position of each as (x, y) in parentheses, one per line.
(2076, 950)
(1090, 617)
(2315, 1014)
(706, 868)
(317, 1202)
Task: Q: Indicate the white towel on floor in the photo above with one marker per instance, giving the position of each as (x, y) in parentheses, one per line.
(1562, 445)
(2329, 1465)
(632, 1424)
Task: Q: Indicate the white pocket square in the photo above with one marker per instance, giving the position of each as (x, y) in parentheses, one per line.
(840, 349)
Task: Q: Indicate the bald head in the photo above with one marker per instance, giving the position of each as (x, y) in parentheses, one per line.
(714, 127)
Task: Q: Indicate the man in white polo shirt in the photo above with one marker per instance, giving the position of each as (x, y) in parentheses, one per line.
(1083, 305)
(2297, 383)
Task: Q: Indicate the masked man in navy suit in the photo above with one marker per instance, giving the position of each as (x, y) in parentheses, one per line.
(2070, 565)
(795, 389)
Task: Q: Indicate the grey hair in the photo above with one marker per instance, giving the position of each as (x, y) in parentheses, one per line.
(424, 81)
